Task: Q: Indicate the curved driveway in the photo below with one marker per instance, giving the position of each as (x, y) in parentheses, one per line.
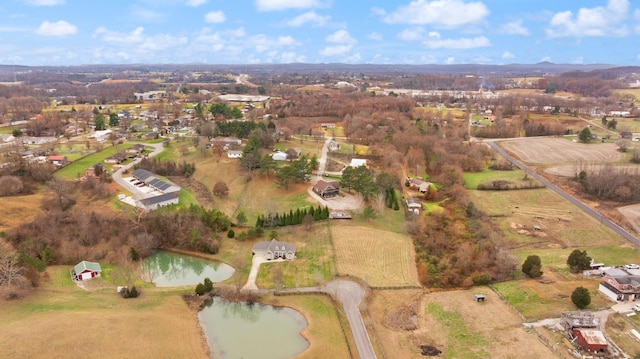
(614, 227)
(117, 175)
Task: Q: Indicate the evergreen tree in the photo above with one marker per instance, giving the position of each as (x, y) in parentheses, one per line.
(581, 297)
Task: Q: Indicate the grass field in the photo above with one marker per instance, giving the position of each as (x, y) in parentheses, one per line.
(473, 179)
(548, 151)
(61, 320)
(381, 258)
(314, 258)
(17, 210)
(76, 168)
(455, 324)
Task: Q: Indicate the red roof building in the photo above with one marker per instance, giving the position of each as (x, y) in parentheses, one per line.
(591, 340)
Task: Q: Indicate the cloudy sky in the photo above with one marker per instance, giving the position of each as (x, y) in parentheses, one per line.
(72, 32)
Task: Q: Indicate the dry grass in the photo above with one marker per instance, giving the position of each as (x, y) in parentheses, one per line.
(561, 151)
(453, 322)
(64, 321)
(381, 258)
(20, 209)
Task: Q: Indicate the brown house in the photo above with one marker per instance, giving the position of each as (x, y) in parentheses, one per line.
(327, 189)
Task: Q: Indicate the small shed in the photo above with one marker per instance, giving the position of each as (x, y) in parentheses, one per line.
(86, 270)
(479, 297)
(279, 156)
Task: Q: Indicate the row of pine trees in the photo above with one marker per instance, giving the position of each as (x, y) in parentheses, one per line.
(292, 218)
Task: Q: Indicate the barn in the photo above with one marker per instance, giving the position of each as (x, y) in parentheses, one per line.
(591, 340)
(86, 270)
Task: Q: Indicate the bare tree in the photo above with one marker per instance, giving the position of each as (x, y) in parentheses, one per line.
(220, 189)
(11, 273)
(63, 191)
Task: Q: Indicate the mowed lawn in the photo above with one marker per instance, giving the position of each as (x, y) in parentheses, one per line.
(61, 320)
(379, 257)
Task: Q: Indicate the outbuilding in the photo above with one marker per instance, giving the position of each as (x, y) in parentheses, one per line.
(591, 340)
(86, 270)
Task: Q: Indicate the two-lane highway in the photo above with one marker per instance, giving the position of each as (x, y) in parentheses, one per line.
(614, 227)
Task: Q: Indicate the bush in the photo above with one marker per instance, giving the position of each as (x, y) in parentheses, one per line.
(200, 289)
(231, 234)
(130, 293)
(578, 261)
(532, 266)
(581, 297)
(208, 285)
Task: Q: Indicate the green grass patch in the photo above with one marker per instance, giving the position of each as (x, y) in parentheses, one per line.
(77, 168)
(473, 179)
(314, 260)
(462, 341)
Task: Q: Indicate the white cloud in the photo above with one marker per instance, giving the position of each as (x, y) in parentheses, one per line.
(215, 17)
(274, 5)
(514, 28)
(45, 2)
(546, 59)
(450, 60)
(309, 18)
(435, 42)
(411, 34)
(507, 55)
(337, 50)
(439, 13)
(60, 28)
(290, 57)
(341, 37)
(195, 3)
(134, 37)
(597, 21)
(428, 59)
(375, 36)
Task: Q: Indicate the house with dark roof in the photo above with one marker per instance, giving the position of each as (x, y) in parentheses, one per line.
(619, 287)
(86, 270)
(135, 149)
(275, 249)
(155, 202)
(116, 158)
(154, 182)
(326, 189)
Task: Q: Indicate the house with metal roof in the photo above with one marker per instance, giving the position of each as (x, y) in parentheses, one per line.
(275, 249)
(155, 202)
(86, 270)
(154, 182)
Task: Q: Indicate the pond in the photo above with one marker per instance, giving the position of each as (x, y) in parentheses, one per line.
(169, 269)
(248, 331)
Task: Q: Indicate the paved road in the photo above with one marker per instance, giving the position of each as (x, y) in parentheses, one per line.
(117, 175)
(351, 294)
(603, 220)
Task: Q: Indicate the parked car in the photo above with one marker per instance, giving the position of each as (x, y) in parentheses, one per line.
(636, 308)
(632, 266)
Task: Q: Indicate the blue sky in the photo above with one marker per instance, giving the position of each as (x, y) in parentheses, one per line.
(73, 32)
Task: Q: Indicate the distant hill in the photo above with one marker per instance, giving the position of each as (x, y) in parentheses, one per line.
(542, 68)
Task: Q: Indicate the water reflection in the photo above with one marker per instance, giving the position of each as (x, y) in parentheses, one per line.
(168, 269)
(240, 330)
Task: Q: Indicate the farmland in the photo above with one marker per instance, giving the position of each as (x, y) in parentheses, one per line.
(549, 151)
(379, 257)
(452, 322)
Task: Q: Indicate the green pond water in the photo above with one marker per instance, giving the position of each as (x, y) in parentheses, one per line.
(256, 331)
(168, 269)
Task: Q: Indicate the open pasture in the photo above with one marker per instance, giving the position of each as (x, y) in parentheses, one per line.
(64, 321)
(454, 323)
(549, 151)
(380, 257)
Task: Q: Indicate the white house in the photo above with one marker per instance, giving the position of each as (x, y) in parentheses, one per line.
(275, 249)
(234, 154)
(86, 270)
(101, 135)
(357, 162)
(279, 156)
